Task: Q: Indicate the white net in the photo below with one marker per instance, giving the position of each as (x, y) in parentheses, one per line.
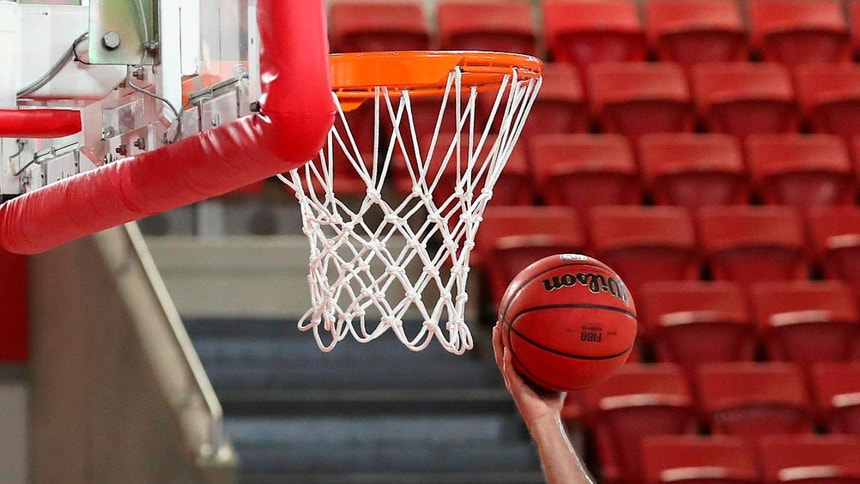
(398, 259)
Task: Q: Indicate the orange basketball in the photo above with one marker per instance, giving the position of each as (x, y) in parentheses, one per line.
(568, 321)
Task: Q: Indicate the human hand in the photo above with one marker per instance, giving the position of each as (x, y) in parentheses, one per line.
(534, 404)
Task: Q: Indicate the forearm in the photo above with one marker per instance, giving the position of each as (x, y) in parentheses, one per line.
(560, 463)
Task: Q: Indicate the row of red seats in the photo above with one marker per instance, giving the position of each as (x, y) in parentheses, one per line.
(583, 32)
(681, 169)
(694, 322)
(739, 98)
(739, 243)
(748, 400)
(770, 459)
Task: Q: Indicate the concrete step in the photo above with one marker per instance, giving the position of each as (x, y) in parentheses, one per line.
(394, 457)
(372, 375)
(439, 476)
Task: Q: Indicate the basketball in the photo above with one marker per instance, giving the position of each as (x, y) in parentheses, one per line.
(568, 321)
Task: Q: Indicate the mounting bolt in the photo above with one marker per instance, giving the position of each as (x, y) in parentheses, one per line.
(121, 150)
(111, 40)
(140, 144)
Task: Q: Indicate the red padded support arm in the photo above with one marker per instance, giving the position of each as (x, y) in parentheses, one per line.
(296, 114)
(39, 123)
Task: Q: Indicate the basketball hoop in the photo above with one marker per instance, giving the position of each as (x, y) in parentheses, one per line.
(399, 260)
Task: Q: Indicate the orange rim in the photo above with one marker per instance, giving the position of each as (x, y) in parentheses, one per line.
(355, 76)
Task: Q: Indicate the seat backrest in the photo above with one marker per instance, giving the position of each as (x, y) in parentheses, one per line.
(794, 32)
(695, 322)
(361, 26)
(635, 98)
(512, 237)
(803, 171)
(806, 321)
(561, 105)
(645, 244)
(583, 170)
(748, 244)
(690, 32)
(637, 401)
(500, 26)
(836, 394)
(809, 458)
(753, 399)
(591, 31)
(743, 98)
(696, 458)
(829, 96)
(693, 170)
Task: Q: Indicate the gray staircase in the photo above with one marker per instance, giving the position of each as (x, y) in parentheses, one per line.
(369, 413)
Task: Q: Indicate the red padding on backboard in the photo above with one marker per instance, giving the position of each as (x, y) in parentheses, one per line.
(297, 112)
(39, 123)
(13, 308)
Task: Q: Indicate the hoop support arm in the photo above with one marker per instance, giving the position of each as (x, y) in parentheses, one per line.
(39, 123)
(296, 114)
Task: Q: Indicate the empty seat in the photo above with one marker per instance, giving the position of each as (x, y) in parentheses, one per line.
(854, 24)
(637, 401)
(693, 170)
(748, 244)
(645, 244)
(803, 171)
(835, 238)
(561, 105)
(511, 238)
(754, 399)
(694, 322)
(697, 459)
(806, 322)
(829, 96)
(809, 459)
(583, 170)
(513, 187)
(500, 26)
(693, 31)
(836, 393)
(591, 31)
(794, 32)
(636, 98)
(743, 98)
(364, 26)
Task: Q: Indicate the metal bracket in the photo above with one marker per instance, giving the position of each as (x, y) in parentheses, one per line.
(124, 32)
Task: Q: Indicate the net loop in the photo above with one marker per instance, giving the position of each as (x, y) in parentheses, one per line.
(395, 256)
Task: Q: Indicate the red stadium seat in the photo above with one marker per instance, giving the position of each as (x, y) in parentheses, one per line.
(561, 105)
(696, 459)
(592, 31)
(747, 244)
(693, 31)
(806, 322)
(794, 32)
(836, 390)
(835, 239)
(693, 322)
(854, 24)
(743, 98)
(365, 26)
(804, 171)
(636, 98)
(511, 238)
(513, 187)
(583, 170)
(645, 244)
(637, 401)
(754, 399)
(500, 26)
(809, 459)
(829, 96)
(693, 170)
